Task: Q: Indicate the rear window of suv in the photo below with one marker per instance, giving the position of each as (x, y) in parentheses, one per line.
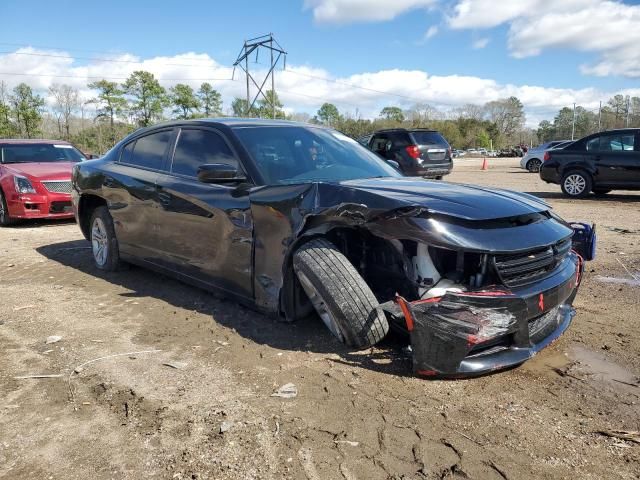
(428, 138)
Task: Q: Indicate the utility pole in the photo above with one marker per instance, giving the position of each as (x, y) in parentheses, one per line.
(626, 122)
(573, 124)
(254, 45)
(600, 117)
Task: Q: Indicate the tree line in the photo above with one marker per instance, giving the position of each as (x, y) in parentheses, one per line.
(116, 109)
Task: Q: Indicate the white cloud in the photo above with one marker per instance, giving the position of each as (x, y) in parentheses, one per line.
(480, 43)
(301, 88)
(349, 11)
(606, 27)
(431, 32)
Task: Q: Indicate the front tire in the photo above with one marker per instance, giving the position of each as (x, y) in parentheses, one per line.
(340, 296)
(104, 244)
(534, 165)
(576, 184)
(5, 219)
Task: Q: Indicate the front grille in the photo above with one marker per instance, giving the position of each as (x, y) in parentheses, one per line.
(520, 269)
(55, 186)
(540, 327)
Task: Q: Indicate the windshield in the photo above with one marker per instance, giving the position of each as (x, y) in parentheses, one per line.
(308, 154)
(40, 152)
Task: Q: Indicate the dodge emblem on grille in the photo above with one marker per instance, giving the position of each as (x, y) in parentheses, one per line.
(541, 302)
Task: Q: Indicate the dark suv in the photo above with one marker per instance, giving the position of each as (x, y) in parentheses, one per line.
(419, 152)
(597, 163)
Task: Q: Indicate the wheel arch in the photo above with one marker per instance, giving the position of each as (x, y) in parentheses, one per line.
(293, 301)
(86, 205)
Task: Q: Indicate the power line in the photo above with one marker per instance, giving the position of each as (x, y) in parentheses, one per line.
(209, 79)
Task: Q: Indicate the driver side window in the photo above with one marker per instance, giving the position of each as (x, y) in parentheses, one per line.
(197, 147)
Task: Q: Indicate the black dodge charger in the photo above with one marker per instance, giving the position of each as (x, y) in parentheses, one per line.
(298, 220)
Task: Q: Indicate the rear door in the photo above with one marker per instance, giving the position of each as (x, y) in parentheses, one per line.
(434, 149)
(616, 157)
(205, 230)
(130, 188)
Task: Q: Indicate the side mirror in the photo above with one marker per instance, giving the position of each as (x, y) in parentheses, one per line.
(394, 164)
(219, 173)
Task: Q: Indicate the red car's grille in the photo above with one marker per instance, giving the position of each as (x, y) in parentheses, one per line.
(56, 186)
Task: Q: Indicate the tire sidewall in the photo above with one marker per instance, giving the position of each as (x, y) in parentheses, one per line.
(587, 179)
(5, 219)
(113, 256)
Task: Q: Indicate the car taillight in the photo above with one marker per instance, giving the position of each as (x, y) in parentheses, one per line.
(546, 157)
(413, 151)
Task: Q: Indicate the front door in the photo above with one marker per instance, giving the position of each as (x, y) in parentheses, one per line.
(205, 230)
(616, 158)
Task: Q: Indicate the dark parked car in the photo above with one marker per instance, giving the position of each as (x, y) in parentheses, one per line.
(597, 163)
(290, 218)
(418, 152)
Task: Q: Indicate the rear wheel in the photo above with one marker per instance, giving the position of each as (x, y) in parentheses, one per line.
(5, 219)
(534, 165)
(104, 244)
(340, 296)
(576, 184)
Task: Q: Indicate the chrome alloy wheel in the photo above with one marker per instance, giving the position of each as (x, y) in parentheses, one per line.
(575, 184)
(319, 305)
(99, 242)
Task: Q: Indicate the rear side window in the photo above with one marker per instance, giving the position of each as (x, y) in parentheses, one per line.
(197, 147)
(379, 144)
(429, 138)
(149, 151)
(612, 143)
(127, 152)
(401, 139)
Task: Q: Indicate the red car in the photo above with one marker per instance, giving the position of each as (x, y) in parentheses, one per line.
(35, 179)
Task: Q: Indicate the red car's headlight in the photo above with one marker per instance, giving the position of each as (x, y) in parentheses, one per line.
(23, 185)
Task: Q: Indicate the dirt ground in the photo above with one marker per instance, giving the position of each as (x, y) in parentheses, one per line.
(357, 415)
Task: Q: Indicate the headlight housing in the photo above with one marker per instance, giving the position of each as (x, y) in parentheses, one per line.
(23, 185)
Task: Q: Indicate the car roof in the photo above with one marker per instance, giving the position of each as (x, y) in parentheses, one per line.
(406, 130)
(235, 122)
(28, 141)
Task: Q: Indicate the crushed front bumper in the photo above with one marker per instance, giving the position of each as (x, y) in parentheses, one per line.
(473, 333)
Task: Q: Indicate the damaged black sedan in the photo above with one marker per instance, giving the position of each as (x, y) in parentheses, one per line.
(297, 220)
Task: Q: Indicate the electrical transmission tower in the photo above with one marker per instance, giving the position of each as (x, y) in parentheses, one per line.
(265, 42)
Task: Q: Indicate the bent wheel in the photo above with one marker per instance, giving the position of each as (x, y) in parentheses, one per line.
(340, 296)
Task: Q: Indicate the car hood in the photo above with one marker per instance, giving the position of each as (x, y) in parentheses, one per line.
(42, 171)
(469, 202)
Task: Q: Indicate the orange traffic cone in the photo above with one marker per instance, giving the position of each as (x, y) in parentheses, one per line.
(485, 164)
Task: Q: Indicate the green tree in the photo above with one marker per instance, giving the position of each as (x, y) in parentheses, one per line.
(329, 114)
(148, 97)
(110, 103)
(27, 110)
(392, 113)
(184, 99)
(239, 107)
(271, 106)
(7, 127)
(210, 100)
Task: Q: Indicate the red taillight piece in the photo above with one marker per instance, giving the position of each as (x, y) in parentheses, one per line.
(546, 156)
(413, 151)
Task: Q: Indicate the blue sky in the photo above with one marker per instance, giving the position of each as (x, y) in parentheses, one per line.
(372, 43)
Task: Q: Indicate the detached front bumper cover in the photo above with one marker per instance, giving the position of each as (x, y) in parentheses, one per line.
(472, 333)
